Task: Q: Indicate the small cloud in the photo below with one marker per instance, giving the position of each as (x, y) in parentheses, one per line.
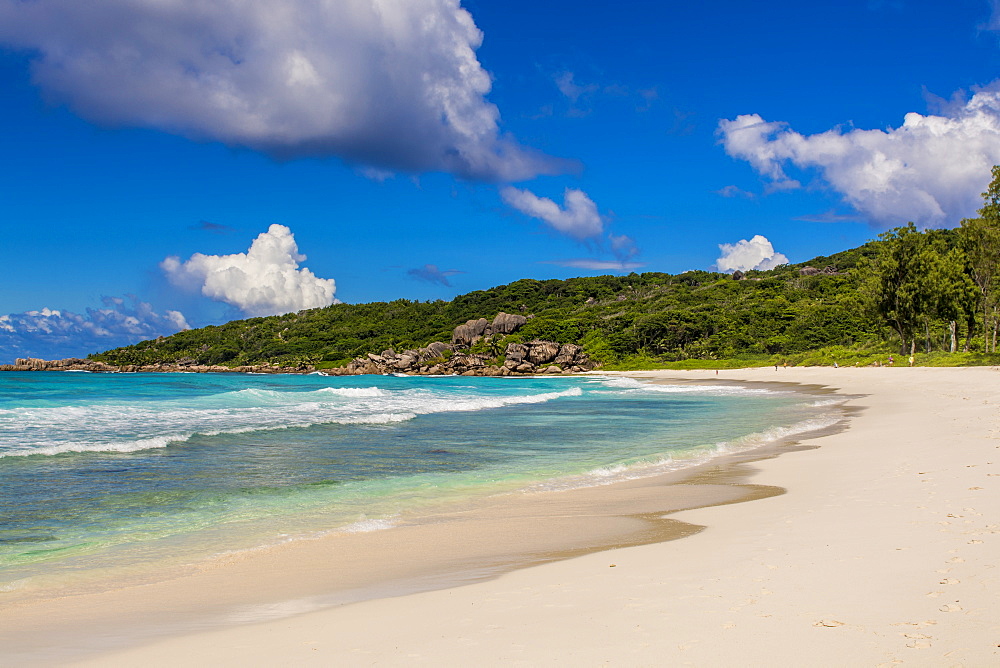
(376, 174)
(577, 218)
(781, 186)
(582, 96)
(734, 191)
(649, 96)
(595, 264)
(429, 273)
(56, 333)
(682, 126)
(214, 228)
(266, 280)
(572, 90)
(623, 247)
(757, 253)
(829, 217)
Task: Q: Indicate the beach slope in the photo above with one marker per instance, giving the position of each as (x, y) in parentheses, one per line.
(883, 551)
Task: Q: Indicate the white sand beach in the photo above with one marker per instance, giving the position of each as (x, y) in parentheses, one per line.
(883, 551)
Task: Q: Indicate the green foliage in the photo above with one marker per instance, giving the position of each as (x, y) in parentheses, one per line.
(909, 285)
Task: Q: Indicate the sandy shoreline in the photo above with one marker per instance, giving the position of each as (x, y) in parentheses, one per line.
(882, 551)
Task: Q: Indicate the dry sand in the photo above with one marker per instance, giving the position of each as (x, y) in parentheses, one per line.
(884, 551)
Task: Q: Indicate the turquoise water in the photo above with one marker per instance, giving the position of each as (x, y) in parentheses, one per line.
(102, 470)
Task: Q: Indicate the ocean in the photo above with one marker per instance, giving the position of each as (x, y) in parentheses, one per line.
(129, 475)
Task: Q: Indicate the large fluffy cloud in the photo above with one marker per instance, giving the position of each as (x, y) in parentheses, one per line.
(266, 280)
(930, 170)
(389, 83)
(577, 217)
(757, 253)
(53, 333)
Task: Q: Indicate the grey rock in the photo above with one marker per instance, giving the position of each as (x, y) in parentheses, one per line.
(542, 352)
(568, 353)
(516, 352)
(470, 332)
(507, 323)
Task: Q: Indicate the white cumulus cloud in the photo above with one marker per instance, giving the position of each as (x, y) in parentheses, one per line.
(57, 333)
(394, 84)
(577, 217)
(266, 280)
(757, 253)
(930, 170)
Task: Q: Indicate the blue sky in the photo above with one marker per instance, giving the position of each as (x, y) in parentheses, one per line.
(145, 145)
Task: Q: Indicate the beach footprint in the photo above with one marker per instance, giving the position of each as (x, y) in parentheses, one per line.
(918, 640)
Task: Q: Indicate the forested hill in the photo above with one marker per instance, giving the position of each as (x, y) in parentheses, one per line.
(909, 292)
(696, 314)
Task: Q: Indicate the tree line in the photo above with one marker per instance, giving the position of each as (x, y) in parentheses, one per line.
(936, 287)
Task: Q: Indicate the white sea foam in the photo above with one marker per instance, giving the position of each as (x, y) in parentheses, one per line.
(666, 463)
(822, 403)
(354, 391)
(366, 526)
(115, 427)
(634, 385)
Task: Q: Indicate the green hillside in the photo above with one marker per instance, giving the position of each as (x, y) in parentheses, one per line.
(934, 293)
(692, 315)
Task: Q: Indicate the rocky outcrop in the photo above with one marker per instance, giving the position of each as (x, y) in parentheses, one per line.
(829, 270)
(185, 364)
(440, 358)
(470, 332)
(507, 323)
(534, 357)
(542, 352)
(437, 358)
(474, 330)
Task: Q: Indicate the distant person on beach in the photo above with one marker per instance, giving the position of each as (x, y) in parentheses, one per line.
(911, 360)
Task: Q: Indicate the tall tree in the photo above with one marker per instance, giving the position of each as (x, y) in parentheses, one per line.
(948, 292)
(981, 242)
(893, 281)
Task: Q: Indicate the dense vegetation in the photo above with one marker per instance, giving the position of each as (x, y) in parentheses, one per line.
(934, 293)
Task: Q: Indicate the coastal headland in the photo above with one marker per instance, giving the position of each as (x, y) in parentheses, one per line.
(881, 551)
(496, 357)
